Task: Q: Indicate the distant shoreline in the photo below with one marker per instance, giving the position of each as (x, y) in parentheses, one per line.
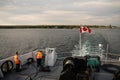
(52, 26)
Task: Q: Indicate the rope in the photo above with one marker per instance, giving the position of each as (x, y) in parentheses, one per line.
(35, 77)
(35, 74)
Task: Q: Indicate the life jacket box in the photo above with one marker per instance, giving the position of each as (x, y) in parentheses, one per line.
(50, 56)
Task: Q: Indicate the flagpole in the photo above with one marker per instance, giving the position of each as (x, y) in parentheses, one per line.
(107, 52)
(80, 51)
(83, 30)
(81, 44)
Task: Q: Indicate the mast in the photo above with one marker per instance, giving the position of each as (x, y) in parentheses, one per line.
(107, 53)
(80, 46)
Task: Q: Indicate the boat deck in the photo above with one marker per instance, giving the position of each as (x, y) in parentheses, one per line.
(31, 72)
(102, 75)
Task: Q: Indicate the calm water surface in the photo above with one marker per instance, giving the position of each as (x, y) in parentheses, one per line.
(26, 40)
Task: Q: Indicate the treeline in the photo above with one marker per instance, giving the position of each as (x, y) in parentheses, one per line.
(52, 26)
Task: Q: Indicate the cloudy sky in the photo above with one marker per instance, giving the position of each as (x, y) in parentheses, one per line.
(72, 12)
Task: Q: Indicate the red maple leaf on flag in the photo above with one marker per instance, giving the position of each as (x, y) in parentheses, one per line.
(85, 29)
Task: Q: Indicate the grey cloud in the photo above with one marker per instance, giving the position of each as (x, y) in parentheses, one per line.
(3, 2)
(39, 7)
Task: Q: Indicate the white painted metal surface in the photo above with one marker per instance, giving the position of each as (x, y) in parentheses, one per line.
(50, 58)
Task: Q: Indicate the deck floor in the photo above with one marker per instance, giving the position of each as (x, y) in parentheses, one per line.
(31, 71)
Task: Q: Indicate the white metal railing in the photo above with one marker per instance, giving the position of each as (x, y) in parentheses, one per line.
(105, 57)
(50, 58)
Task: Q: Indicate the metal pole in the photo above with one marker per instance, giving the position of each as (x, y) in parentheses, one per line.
(80, 51)
(80, 46)
(81, 43)
(107, 52)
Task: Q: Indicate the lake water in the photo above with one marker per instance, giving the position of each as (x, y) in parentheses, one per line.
(26, 40)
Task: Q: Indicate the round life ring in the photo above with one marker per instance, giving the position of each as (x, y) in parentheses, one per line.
(30, 60)
(7, 66)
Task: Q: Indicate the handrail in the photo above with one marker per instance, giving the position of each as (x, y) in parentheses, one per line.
(113, 54)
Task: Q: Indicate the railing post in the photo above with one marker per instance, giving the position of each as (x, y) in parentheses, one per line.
(119, 59)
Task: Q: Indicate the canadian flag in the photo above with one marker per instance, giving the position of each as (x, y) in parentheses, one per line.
(85, 29)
